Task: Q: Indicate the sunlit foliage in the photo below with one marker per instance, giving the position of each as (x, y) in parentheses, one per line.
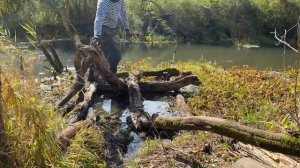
(209, 21)
(30, 124)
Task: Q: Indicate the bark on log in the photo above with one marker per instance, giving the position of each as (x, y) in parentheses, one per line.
(83, 107)
(182, 107)
(70, 132)
(140, 119)
(169, 85)
(55, 56)
(101, 65)
(82, 63)
(169, 72)
(160, 87)
(53, 62)
(276, 142)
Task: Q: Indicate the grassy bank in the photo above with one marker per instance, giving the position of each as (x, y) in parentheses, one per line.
(261, 99)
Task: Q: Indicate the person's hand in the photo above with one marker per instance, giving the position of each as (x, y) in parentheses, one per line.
(95, 41)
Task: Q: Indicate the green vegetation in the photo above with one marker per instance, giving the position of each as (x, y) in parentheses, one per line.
(263, 99)
(87, 150)
(185, 150)
(32, 125)
(207, 21)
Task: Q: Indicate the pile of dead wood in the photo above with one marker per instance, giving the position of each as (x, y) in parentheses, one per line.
(130, 87)
(125, 85)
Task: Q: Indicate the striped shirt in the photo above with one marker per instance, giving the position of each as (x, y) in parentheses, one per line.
(108, 14)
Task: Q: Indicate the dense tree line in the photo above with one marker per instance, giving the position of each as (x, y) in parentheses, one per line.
(207, 21)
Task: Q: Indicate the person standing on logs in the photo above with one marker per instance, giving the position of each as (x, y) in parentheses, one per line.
(108, 15)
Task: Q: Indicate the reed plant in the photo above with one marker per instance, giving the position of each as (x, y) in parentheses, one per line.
(29, 123)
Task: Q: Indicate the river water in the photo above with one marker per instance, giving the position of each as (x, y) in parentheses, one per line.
(225, 56)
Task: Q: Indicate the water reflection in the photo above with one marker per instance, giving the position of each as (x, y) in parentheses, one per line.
(226, 56)
(116, 108)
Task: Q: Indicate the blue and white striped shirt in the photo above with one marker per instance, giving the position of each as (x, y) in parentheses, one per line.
(108, 14)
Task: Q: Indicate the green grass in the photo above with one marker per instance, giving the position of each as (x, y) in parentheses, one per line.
(86, 151)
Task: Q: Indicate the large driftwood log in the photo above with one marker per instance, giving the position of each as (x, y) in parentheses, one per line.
(101, 65)
(88, 56)
(167, 73)
(276, 142)
(169, 85)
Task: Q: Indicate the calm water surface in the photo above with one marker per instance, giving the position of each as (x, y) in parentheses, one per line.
(226, 56)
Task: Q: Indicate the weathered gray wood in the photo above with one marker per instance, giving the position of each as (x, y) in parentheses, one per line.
(277, 160)
(167, 86)
(83, 106)
(182, 107)
(140, 119)
(249, 163)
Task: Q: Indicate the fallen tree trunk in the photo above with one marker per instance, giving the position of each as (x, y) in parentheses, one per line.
(167, 73)
(169, 85)
(276, 142)
(159, 87)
